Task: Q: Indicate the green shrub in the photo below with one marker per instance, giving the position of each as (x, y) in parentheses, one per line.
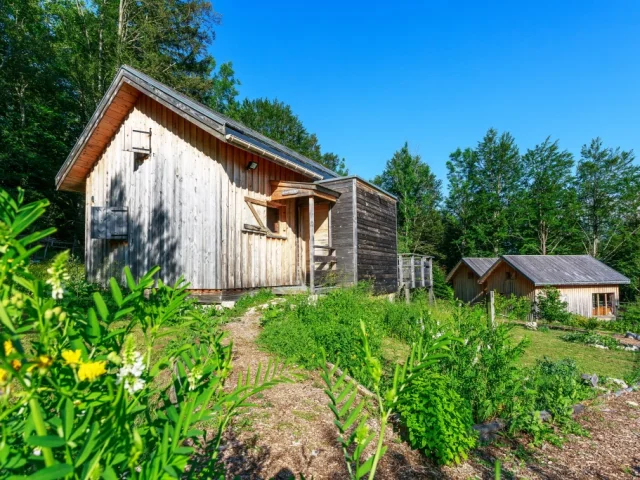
(83, 392)
(558, 387)
(437, 419)
(484, 364)
(441, 289)
(591, 338)
(299, 330)
(512, 307)
(550, 306)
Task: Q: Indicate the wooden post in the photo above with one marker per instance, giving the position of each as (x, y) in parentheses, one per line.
(432, 297)
(422, 265)
(312, 247)
(492, 309)
(400, 273)
(413, 271)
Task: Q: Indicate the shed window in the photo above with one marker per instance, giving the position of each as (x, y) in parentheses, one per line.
(509, 275)
(470, 275)
(265, 218)
(273, 219)
(602, 304)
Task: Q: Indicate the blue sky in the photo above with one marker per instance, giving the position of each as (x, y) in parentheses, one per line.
(368, 76)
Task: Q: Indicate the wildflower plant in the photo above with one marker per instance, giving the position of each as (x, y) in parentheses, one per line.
(351, 417)
(83, 393)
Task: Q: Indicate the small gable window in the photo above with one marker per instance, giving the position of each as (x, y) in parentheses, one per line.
(470, 275)
(509, 275)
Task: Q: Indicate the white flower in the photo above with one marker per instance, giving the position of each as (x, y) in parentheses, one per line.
(37, 452)
(132, 368)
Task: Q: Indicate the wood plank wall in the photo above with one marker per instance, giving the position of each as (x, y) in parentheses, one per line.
(465, 288)
(186, 204)
(377, 249)
(343, 232)
(517, 285)
(579, 298)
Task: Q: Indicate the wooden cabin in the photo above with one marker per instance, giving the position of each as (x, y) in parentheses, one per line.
(169, 182)
(590, 288)
(465, 275)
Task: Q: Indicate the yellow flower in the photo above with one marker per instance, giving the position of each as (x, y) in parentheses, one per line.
(72, 357)
(8, 348)
(16, 364)
(44, 361)
(91, 370)
(4, 376)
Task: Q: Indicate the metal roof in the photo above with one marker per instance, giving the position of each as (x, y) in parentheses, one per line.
(563, 270)
(479, 265)
(199, 114)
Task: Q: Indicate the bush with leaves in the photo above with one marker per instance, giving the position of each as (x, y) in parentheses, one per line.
(551, 307)
(591, 338)
(82, 392)
(512, 307)
(351, 416)
(301, 329)
(484, 364)
(437, 419)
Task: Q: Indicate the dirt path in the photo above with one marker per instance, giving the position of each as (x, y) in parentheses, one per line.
(291, 431)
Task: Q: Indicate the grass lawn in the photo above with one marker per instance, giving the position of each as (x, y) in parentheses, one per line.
(610, 363)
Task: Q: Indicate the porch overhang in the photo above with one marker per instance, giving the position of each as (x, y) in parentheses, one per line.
(285, 190)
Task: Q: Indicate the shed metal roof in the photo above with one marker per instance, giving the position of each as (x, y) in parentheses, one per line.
(479, 265)
(544, 270)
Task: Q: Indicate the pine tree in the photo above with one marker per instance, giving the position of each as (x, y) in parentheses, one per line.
(419, 196)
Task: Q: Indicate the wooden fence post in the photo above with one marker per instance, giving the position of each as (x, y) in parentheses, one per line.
(431, 295)
(492, 309)
(422, 267)
(400, 274)
(312, 246)
(413, 271)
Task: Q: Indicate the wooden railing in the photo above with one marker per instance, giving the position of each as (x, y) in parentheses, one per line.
(415, 271)
(325, 262)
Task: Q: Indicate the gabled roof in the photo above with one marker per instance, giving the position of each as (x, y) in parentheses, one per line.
(121, 97)
(544, 270)
(479, 265)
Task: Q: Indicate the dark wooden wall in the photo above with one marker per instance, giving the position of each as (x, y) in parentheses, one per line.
(377, 249)
(343, 232)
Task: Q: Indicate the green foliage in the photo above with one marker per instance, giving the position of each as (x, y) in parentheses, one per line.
(554, 387)
(301, 330)
(84, 394)
(512, 307)
(547, 207)
(484, 364)
(607, 184)
(351, 417)
(591, 338)
(276, 120)
(437, 419)
(419, 194)
(441, 289)
(484, 186)
(551, 307)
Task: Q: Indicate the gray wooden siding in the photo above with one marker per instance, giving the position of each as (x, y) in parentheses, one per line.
(377, 247)
(343, 229)
(185, 205)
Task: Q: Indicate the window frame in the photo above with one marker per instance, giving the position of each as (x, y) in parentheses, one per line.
(263, 229)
